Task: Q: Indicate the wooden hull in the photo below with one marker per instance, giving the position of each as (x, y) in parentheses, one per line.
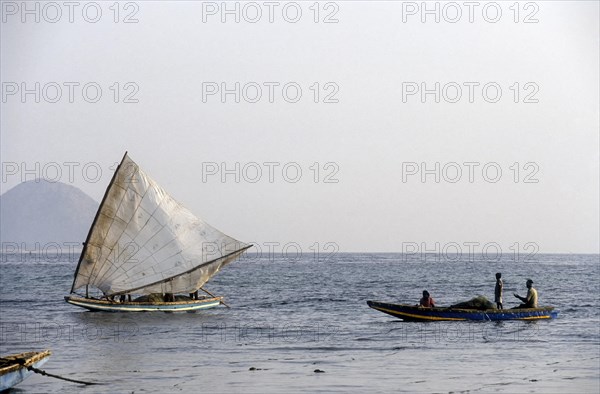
(417, 313)
(177, 306)
(12, 373)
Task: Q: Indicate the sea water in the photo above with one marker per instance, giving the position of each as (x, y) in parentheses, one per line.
(292, 317)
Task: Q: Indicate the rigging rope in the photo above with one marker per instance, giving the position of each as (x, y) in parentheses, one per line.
(22, 361)
(212, 295)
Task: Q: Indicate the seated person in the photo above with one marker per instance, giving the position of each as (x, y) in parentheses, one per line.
(169, 297)
(531, 301)
(427, 301)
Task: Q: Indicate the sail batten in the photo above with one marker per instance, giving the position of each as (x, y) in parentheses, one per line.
(234, 254)
(143, 240)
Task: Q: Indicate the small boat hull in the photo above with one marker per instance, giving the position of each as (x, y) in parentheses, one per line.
(13, 373)
(111, 306)
(417, 313)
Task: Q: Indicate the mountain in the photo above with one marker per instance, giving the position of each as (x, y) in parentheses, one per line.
(42, 212)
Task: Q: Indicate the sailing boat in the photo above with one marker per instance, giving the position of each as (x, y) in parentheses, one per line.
(144, 250)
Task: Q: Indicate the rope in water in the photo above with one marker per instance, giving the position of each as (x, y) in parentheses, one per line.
(22, 361)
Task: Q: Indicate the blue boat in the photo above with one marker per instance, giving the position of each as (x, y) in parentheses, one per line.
(13, 368)
(421, 314)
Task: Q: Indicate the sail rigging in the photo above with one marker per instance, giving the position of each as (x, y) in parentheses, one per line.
(143, 240)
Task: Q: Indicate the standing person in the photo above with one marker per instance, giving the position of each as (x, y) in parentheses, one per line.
(532, 296)
(427, 301)
(498, 291)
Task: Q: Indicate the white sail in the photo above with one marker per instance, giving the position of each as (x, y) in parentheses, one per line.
(144, 241)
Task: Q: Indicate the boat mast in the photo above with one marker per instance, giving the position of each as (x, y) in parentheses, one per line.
(93, 224)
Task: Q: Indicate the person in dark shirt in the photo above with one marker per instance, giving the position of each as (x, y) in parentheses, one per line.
(498, 291)
(427, 301)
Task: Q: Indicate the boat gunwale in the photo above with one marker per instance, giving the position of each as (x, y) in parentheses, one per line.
(30, 359)
(141, 303)
(417, 313)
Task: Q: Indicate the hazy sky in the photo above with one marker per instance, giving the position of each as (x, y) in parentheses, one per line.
(368, 133)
